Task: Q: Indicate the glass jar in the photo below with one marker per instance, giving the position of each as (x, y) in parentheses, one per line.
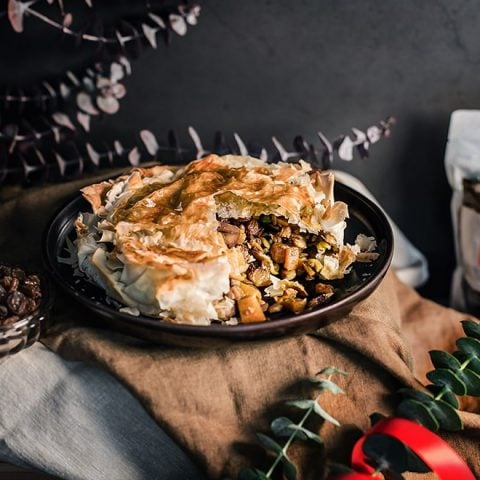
(27, 330)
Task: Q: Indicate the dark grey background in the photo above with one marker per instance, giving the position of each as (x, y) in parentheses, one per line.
(264, 68)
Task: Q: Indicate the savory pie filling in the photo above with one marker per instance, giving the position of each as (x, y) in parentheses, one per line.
(224, 239)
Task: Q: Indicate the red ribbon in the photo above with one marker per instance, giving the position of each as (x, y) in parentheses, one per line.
(442, 459)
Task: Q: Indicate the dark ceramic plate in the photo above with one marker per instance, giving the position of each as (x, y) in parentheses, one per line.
(365, 217)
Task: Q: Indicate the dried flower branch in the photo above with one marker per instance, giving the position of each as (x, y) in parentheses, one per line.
(150, 149)
(176, 21)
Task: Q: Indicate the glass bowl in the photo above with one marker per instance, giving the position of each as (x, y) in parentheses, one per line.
(27, 330)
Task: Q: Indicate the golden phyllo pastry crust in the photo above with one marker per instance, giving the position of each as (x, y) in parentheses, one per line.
(172, 242)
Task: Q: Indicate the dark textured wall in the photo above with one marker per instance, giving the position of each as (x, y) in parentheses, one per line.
(265, 68)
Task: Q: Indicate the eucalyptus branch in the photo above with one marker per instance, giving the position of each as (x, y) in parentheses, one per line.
(454, 374)
(284, 428)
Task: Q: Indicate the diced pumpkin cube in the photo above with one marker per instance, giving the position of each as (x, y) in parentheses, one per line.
(250, 290)
(250, 309)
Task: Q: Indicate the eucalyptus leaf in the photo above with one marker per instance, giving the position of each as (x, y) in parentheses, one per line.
(243, 150)
(374, 134)
(282, 151)
(447, 394)
(108, 104)
(150, 142)
(84, 120)
(283, 427)
(16, 12)
(150, 34)
(289, 469)
(73, 78)
(415, 394)
(178, 24)
(325, 384)
(386, 452)
(442, 376)
(118, 147)
(326, 416)
(269, 443)
(469, 345)
(63, 120)
(197, 142)
(84, 102)
(441, 359)
(61, 163)
(471, 380)
(332, 371)
(473, 361)
(49, 89)
(158, 20)
(309, 434)
(64, 90)
(302, 404)
(134, 157)
(376, 417)
(446, 415)
(345, 149)
(93, 154)
(327, 156)
(418, 412)
(360, 137)
(471, 328)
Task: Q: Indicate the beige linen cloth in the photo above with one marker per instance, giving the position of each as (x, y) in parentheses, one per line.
(211, 401)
